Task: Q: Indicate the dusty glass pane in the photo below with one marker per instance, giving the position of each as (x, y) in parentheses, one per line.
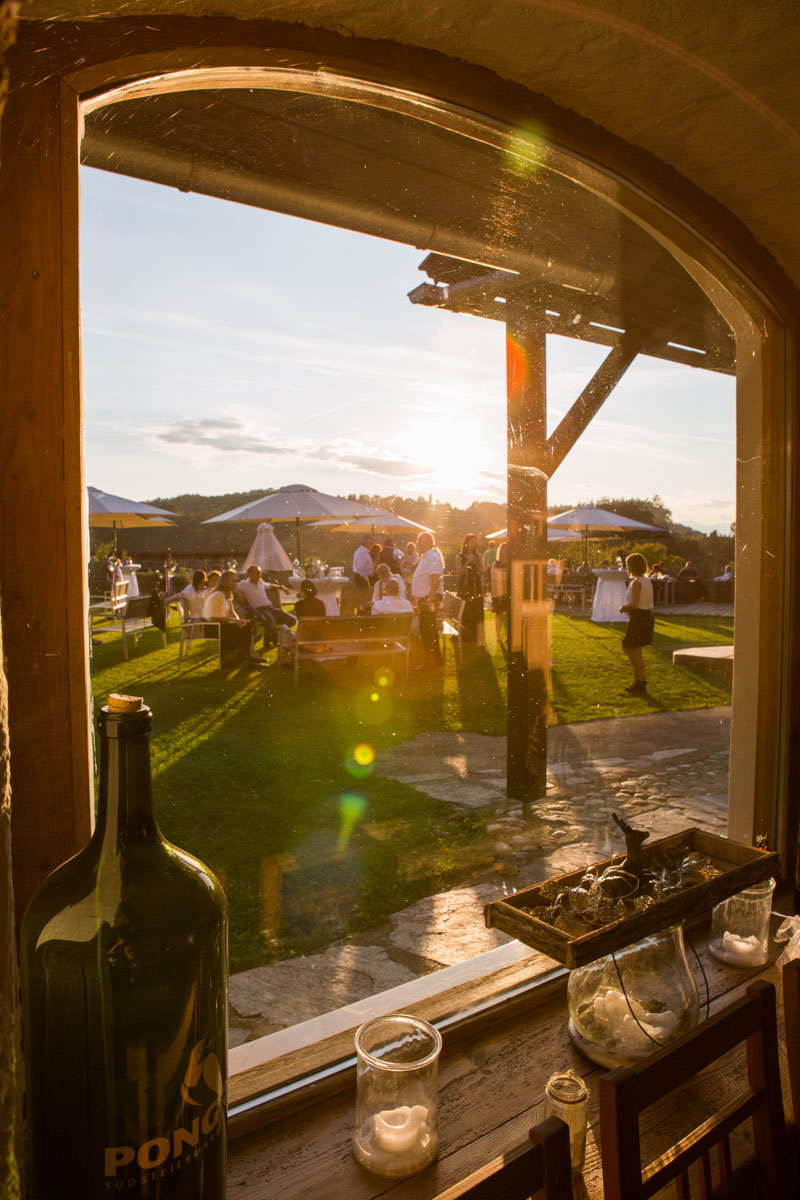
(256, 333)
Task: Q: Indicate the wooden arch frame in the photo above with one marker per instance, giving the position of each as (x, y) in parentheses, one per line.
(54, 70)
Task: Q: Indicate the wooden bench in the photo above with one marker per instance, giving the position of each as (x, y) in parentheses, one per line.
(323, 639)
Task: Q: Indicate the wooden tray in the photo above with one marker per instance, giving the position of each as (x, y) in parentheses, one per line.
(741, 867)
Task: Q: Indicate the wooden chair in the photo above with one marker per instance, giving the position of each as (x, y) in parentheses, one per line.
(197, 631)
(791, 1021)
(542, 1167)
(450, 620)
(625, 1092)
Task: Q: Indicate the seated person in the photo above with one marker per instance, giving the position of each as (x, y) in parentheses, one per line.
(384, 578)
(236, 633)
(252, 597)
(726, 574)
(688, 571)
(195, 594)
(392, 601)
(309, 604)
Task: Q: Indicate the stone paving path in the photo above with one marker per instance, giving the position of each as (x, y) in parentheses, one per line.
(662, 771)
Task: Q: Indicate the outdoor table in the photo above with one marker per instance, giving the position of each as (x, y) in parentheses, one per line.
(329, 591)
(609, 594)
(491, 1090)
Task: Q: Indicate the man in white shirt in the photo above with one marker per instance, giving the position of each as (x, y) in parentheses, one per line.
(363, 566)
(426, 589)
(392, 601)
(252, 597)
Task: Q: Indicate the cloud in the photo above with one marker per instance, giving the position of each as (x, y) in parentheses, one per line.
(217, 433)
(233, 435)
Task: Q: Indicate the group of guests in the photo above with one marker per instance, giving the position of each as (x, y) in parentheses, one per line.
(405, 582)
(243, 607)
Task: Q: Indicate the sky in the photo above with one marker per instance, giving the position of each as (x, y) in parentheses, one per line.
(227, 348)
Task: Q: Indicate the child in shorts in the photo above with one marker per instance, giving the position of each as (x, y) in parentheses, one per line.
(639, 607)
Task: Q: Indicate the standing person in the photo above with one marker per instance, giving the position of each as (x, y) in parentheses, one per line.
(426, 589)
(391, 556)
(362, 563)
(639, 607)
(498, 585)
(235, 632)
(375, 552)
(469, 569)
(410, 560)
(489, 555)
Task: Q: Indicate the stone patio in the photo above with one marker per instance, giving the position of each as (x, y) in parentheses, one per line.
(663, 771)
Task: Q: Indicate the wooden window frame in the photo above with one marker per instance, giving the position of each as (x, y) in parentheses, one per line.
(41, 419)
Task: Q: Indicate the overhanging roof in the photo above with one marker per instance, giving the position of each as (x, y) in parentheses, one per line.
(551, 243)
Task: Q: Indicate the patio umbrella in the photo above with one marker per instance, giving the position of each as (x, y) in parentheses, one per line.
(378, 520)
(116, 512)
(267, 552)
(553, 535)
(295, 502)
(589, 521)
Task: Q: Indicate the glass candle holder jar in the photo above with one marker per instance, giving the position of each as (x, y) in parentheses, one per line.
(396, 1074)
(740, 926)
(619, 1012)
(566, 1096)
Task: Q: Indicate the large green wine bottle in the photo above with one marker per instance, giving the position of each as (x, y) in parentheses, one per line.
(123, 959)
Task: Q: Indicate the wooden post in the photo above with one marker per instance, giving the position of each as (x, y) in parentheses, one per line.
(528, 670)
(43, 521)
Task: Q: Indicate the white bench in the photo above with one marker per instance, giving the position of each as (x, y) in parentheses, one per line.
(323, 639)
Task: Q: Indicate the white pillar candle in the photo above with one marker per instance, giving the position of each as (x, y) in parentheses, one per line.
(399, 1129)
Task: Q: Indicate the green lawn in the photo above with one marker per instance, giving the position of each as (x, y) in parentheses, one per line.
(260, 781)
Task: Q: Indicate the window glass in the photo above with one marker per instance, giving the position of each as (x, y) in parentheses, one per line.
(283, 289)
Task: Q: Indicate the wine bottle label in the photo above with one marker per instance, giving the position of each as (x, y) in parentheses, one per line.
(181, 1149)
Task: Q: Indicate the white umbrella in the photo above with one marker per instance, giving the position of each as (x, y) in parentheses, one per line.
(267, 552)
(589, 521)
(553, 535)
(378, 520)
(295, 502)
(116, 512)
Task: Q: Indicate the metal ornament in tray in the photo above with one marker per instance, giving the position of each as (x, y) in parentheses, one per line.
(636, 898)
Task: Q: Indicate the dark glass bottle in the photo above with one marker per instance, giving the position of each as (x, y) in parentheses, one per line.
(123, 957)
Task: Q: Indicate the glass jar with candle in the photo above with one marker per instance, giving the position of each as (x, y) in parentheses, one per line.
(624, 1005)
(395, 1129)
(740, 926)
(566, 1096)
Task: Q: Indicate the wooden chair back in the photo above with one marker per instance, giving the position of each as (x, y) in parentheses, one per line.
(542, 1168)
(626, 1092)
(791, 1020)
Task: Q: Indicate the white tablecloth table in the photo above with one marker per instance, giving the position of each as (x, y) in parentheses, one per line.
(329, 590)
(609, 595)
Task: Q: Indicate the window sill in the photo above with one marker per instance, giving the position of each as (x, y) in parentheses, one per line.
(294, 1067)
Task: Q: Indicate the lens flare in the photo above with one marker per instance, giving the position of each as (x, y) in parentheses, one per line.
(364, 754)
(373, 707)
(384, 678)
(352, 807)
